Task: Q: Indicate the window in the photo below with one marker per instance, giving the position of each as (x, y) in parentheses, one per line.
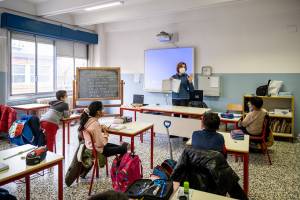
(45, 67)
(40, 65)
(22, 60)
(65, 73)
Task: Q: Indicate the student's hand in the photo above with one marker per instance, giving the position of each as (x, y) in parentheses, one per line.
(104, 129)
(190, 78)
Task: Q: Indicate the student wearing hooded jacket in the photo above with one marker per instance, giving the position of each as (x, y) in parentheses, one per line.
(186, 86)
(50, 120)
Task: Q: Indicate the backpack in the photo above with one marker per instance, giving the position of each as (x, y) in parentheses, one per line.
(263, 90)
(165, 170)
(4, 194)
(38, 133)
(20, 132)
(125, 170)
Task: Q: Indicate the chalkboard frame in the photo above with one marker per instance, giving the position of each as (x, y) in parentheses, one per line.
(115, 69)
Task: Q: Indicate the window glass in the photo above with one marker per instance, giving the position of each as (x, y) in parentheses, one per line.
(65, 73)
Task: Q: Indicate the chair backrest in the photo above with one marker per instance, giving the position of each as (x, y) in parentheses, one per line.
(234, 107)
(92, 140)
(265, 128)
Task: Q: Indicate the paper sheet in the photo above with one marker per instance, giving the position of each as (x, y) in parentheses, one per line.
(176, 85)
(214, 82)
(171, 85)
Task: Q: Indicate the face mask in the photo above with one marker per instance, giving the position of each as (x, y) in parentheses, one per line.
(182, 70)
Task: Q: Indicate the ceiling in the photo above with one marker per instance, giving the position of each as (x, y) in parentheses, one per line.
(73, 10)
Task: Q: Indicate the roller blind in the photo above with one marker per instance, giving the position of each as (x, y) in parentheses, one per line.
(64, 48)
(80, 50)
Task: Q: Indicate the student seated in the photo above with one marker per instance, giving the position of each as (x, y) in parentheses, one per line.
(253, 122)
(208, 138)
(89, 125)
(50, 120)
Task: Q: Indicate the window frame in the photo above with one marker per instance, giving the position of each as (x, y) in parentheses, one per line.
(36, 94)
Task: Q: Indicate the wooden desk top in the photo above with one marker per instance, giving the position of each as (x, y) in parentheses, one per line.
(31, 106)
(72, 117)
(241, 146)
(176, 109)
(130, 107)
(132, 128)
(17, 166)
(198, 195)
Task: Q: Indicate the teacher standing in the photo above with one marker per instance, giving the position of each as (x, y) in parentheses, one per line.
(182, 97)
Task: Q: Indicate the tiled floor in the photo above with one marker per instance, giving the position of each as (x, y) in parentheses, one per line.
(280, 181)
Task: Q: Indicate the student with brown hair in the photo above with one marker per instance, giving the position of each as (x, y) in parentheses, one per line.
(50, 120)
(253, 122)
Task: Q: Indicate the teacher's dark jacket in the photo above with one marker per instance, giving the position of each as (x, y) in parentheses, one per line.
(206, 170)
(185, 87)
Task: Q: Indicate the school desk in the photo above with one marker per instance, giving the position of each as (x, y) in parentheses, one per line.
(180, 126)
(237, 147)
(133, 129)
(28, 108)
(67, 121)
(234, 120)
(198, 195)
(176, 110)
(18, 168)
(130, 108)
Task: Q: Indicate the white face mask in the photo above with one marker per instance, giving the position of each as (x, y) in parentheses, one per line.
(182, 70)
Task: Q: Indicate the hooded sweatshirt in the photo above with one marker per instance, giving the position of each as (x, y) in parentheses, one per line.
(55, 112)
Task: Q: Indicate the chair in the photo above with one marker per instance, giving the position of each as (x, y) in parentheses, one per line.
(96, 164)
(232, 107)
(235, 108)
(262, 138)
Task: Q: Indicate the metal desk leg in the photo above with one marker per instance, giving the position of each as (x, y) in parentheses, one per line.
(132, 144)
(60, 181)
(63, 138)
(152, 146)
(68, 129)
(27, 181)
(246, 173)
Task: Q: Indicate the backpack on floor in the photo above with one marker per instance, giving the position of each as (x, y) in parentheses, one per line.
(4, 194)
(125, 170)
(20, 132)
(165, 170)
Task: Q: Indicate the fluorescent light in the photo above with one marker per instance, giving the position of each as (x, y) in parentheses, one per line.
(105, 5)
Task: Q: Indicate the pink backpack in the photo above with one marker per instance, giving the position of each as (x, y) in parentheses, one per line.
(125, 171)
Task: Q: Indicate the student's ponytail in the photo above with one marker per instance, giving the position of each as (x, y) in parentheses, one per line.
(83, 120)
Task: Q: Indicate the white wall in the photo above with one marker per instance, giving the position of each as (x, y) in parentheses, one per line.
(255, 36)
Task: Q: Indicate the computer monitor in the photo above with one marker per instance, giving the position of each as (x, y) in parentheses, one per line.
(138, 99)
(197, 95)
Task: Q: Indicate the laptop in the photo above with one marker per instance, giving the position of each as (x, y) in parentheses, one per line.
(138, 100)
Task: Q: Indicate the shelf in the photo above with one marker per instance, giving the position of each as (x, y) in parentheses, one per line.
(281, 116)
(288, 135)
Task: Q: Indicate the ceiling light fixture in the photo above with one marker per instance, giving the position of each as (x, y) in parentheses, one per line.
(105, 5)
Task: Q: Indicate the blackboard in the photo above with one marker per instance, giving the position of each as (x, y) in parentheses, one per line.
(98, 83)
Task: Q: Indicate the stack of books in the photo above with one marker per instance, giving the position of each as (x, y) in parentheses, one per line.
(237, 134)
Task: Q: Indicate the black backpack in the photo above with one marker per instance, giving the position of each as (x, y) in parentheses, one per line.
(4, 194)
(263, 90)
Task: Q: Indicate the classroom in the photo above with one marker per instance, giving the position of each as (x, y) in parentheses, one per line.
(149, 99)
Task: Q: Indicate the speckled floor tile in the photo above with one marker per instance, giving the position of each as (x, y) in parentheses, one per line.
(279, 181)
